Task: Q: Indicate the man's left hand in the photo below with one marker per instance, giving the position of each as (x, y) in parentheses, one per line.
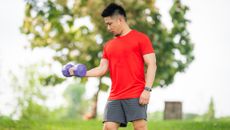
(144, 98)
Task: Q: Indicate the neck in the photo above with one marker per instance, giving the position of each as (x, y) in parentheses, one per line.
(125, 30)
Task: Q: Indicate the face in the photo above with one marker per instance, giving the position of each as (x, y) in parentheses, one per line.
(113, 25)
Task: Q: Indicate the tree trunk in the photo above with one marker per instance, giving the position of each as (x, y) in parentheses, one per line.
(93, 113)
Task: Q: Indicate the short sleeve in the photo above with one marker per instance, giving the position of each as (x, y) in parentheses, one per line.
(145, 45)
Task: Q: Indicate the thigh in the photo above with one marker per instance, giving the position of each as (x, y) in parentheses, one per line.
(133, 110)
(114, 113)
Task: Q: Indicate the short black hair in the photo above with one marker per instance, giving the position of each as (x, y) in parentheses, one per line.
(113, 9)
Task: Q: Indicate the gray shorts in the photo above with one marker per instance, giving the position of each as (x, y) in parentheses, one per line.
(124, 111)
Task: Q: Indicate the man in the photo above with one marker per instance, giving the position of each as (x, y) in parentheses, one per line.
(125, 56)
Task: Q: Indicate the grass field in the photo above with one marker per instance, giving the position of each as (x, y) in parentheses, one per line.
(97, 125)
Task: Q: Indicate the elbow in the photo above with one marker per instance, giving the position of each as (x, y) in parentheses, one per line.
(155, 66)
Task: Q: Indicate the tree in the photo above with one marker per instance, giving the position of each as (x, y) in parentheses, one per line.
(28, 84)
(76, 103)
(210, 115)
(54, 24)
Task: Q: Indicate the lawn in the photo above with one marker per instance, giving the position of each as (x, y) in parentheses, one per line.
(97, 125)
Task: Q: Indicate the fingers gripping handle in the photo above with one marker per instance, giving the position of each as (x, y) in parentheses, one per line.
(79, 70)
(65, 70)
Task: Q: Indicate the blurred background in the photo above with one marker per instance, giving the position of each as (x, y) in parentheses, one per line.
(37, 37)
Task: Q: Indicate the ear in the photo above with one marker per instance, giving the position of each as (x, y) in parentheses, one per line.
(120, 19)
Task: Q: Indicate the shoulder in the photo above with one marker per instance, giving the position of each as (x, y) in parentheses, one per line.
(140, 35)
(108, 43)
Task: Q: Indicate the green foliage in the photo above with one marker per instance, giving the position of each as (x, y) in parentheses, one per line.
(189, 125)
(210, 115)
(34, 112)
(77, 106)
(104, 87)
(97, 125)
(28, 88)
(193, 117)
(6, 122)
(225, 118)
(54, 24)
(50, 80)
(156, 116)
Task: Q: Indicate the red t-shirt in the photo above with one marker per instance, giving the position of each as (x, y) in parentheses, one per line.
(126, 64)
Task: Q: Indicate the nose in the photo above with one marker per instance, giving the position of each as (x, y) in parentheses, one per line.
(108, 28)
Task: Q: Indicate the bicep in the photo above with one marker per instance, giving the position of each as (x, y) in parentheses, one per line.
(149, 58)
(104, 64)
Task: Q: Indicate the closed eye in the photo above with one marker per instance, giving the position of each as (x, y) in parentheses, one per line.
(108, 23)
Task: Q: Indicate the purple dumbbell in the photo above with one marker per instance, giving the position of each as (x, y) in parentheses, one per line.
(80, 70)
(65, 70)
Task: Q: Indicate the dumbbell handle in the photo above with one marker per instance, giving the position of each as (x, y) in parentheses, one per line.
(78, 70)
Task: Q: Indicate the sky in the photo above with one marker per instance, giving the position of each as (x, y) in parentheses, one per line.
(207, 76)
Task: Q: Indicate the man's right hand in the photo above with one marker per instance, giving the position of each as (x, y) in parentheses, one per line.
(71, 71)
(65, 70)
(78, 70)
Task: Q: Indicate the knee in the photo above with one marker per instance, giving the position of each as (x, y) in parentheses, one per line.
(110, 126)
(140, 126)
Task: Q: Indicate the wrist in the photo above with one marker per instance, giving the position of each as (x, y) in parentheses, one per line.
(149, 89)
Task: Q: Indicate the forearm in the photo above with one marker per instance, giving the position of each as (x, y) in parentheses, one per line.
(150, 75)
(95, 72)
(100, 70)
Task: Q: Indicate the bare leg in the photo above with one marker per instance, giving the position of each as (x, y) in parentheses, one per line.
(111, 126)
(140, 124)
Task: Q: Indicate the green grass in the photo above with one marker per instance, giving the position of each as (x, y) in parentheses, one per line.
(97, 125)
